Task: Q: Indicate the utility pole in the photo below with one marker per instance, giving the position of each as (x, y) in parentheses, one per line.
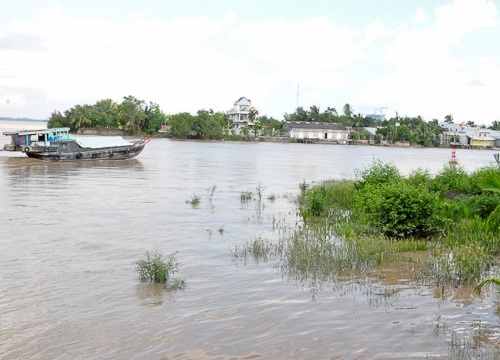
(298, 85)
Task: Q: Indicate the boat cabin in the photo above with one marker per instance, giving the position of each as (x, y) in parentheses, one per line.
(23, 138)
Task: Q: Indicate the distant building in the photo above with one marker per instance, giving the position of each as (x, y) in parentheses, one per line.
(307, 130)
(467, 136)
(481, 139)
(376, 116)
(240, 115)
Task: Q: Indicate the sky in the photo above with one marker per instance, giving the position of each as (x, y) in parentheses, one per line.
(428, 58)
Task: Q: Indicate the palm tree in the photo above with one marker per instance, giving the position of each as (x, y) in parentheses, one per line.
(314, 113)
(348, 110)
(80, 117)
(105, 112)
(448, 119)
(495, 125)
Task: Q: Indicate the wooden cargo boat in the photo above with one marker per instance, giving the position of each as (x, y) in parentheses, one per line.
(56, 145)
(96, 148)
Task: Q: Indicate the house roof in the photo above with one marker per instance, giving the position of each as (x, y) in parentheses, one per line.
(484, 138)
(312, 125)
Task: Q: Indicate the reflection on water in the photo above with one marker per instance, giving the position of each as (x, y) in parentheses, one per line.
(70, 233)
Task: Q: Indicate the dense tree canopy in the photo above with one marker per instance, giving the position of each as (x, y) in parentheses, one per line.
(131, 115)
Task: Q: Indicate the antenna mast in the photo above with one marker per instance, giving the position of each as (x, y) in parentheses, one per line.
(298, 84)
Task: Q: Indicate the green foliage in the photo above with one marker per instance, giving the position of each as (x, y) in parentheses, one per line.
(246, 196)
(156, 267)
(401, 209)
(206, 125)
(317, 200)
(452, 181)
(487, 281)
(376, 174)
(383, 216)
(195, 200)
(131, 116)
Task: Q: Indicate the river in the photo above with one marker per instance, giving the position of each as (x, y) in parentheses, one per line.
(70, 233)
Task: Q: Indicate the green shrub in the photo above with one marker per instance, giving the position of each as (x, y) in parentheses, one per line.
(156, 267)
(399, 209)
(377, 174)
(453, 181)
(420, 177)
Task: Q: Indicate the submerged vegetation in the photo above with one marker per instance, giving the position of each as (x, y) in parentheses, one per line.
(442, 228)
(159, 268)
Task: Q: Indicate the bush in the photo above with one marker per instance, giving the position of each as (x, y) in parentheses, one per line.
(156, 267)
(400, 209)
(453, 181)
(378, 173)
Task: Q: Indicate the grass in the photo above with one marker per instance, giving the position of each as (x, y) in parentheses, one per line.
(195, 200)
(211, 193)
(246, 196)
(335, 236)
(159, 268)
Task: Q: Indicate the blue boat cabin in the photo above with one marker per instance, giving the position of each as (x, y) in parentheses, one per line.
(23, 138)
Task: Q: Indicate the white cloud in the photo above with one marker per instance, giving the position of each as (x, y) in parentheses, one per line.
(374, 32)
(422, 68)
(420, 17)
(428, 79)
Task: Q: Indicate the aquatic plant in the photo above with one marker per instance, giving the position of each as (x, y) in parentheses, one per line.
(211, 193)
(488, 281)
(259, 189)
(195, 200)
(354, 226)
(156, 267)
(246, 196)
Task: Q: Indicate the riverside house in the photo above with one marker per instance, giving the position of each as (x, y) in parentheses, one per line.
(240, 115)
(314, 131)
(467, 136)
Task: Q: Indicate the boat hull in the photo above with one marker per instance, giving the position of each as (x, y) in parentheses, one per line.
(114, 153)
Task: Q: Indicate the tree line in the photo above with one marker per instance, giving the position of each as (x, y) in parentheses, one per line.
(414, 130)
(131, 115)
(135, 116)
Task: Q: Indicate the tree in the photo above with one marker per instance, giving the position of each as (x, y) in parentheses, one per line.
(331, 111)
(448, 119)
(314, 113)
(105, 113)
(131, 114)
(80, 117)
(57, 120)
(495, 125)
(348, 110)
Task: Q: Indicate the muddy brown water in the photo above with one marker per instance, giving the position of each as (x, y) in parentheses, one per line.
(70, 232)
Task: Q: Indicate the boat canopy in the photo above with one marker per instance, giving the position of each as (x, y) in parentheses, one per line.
(101, 142)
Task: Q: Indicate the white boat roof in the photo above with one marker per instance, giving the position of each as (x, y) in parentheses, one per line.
(35, 132)
(95, 142)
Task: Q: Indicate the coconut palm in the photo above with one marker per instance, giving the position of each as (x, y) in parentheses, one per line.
(448, 119)
(348, 110)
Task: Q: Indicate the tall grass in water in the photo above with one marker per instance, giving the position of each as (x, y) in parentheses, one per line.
(346, 226)
(159, 268)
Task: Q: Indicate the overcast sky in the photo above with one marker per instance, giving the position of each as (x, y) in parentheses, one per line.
(415, 57)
